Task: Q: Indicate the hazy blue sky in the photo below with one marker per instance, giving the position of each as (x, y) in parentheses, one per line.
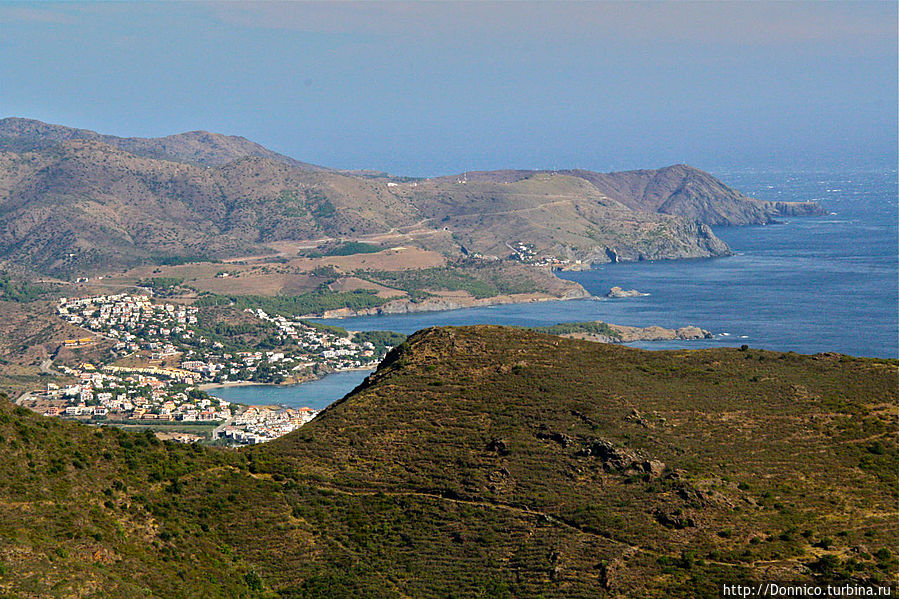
(432, 88)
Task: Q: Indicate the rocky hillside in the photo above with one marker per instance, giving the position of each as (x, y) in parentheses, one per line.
(482, 462)
(692, 193)
(678, 190)
(74, 201)
(194, 147)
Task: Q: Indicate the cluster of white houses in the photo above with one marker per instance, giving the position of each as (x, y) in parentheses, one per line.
(526, 252)
(167, 331)
(258, 424)
(130, 318)
(173, 357)
(325, 342)
(123, 394)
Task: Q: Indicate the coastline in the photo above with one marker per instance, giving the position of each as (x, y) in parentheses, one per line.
(440, 304)
(209, 386)
(286, 383)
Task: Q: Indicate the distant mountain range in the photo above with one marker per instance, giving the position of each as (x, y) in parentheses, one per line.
(75, 201)
(194, 147)
(482, 462)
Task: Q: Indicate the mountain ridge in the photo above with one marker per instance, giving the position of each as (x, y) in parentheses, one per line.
(73, 200)
(194, 147)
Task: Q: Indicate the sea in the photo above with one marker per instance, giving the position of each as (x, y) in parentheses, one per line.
(805, 284)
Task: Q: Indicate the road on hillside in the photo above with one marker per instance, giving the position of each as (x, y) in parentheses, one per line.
(221, 427)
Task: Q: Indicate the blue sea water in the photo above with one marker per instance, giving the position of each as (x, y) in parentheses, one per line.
(315, 394)
(807, 284)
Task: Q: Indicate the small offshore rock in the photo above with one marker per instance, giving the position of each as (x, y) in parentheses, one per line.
(618, 292)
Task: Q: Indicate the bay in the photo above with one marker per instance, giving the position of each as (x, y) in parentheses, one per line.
(809, 284)
(314, 394)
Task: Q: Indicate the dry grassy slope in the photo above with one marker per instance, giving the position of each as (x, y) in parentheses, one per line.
(116, 202)
(112, 208)
(481, 461)
(679, 190)
(562, 215)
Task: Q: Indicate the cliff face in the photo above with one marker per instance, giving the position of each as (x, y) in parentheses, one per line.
(689, 192)
(684, 239)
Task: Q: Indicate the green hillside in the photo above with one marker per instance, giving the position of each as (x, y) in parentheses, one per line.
(482, 462)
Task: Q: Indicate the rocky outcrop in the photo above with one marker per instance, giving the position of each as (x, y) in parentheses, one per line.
(679, 239)
(613, 458)
(626, 334)
(438, 304)
(618, 292)
(622, 459)
(656, 333)
(794, 209)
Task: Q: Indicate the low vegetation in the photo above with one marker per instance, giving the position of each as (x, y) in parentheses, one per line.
(161, 284)
(352, 247)
(315, 302)
(380, 339)
(482, 462)
(567, 328)
(480, 279)
(18, 290)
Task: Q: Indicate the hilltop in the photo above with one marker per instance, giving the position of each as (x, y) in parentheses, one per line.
(75, 202)
(679, 190)
(193, 147)
(482, 461)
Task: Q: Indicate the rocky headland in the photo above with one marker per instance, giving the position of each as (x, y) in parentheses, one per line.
(441, 303)
(618, 292)
(625, 334)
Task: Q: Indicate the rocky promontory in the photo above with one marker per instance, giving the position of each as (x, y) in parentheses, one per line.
(604, 332)
(657, 333)
(440, 303)
(618, 292)
(795, 209)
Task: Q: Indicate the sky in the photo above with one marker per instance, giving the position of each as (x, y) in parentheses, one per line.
(433, 88)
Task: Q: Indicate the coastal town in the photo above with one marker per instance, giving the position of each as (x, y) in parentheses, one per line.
(526, 253)
(164, 361)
